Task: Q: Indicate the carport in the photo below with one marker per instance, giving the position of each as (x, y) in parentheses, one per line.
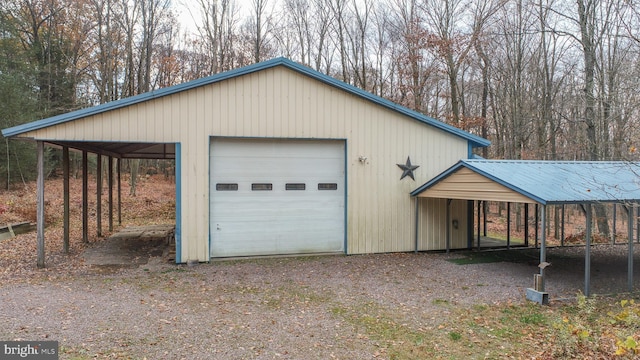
(544, 183)
(114, 152)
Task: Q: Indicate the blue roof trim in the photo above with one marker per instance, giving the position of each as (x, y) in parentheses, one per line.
(74, 115)
(463, 163)
(505, 184)
(556, 182)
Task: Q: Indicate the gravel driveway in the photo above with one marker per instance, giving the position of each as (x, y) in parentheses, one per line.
(294, 308)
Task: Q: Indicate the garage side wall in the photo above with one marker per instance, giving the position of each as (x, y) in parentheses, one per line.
(282, 103)
(432, 227)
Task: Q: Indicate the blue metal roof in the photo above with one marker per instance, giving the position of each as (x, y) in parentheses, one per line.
(476, 141)
(556, 182)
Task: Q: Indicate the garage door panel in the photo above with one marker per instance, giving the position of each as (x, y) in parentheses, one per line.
(278, 221)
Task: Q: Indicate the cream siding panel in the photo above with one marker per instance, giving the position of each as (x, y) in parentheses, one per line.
(282, 103)
(459, 236)
(432, 231)
(466, 184)
(432, 224)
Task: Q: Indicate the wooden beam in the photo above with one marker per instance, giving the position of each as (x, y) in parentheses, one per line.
(85, 197)
(40, 202)
(99, 195)
(65, 187)
(11, 230)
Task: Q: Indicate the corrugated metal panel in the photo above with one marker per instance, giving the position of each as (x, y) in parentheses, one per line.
(432, 229)
(544, 182)
(567, 181)
(230, 75)
(282, 103)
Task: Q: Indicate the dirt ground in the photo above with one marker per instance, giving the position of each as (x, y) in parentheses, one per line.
(294, 307)
(319, 307)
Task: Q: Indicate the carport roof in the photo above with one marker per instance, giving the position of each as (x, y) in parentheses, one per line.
(535, 181)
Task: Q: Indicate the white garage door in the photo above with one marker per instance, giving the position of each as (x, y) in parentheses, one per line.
(272, 197)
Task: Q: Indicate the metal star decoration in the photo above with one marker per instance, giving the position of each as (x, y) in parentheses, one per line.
(407, 169)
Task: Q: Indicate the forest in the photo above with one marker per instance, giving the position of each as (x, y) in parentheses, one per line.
(541, 79)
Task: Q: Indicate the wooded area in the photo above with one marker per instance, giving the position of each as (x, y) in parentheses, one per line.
(541, 79)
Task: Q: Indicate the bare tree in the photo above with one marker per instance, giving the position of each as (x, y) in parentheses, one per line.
(218, 31)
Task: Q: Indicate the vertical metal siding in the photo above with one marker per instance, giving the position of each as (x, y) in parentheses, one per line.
(282, 103)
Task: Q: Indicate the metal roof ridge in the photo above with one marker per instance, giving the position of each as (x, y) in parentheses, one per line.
(551, 162)
(157, 93)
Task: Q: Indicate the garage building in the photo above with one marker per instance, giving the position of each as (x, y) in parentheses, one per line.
(276, 158)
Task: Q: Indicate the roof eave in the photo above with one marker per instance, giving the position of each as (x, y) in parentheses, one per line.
(474, 140)
(462, 163)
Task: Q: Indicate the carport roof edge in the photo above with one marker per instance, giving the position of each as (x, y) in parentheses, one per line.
(476, 141)
(554, 182)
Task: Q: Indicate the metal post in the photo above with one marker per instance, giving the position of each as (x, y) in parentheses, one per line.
(40, 202)
(613, 233)
(630, 254)
(587, 254)
(65, 199)
(85, 197)
(536, 224)
(416, 225)
(119, 171)
(484, 217)
(110, 181)
(479, 206)
(562, 227)
(526, 225)
(508, 225)
(448, 240)
(99, 195)
(543, 242)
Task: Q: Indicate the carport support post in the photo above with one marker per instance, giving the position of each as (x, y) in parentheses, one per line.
(508, 225)
(630, 255)
(119, 179)
(526, 224)
(40, 202)
(562, 227)
(479, 207)
(536, 225)
(65, 187)
(99, 195)
(110, 181)
(417, 220)
(543, 242)
(448, 234)
(587, 254)
(85, 197)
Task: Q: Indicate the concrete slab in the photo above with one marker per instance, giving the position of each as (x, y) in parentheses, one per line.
(131, 247)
